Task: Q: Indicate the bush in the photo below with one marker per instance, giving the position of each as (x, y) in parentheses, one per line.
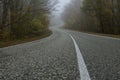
(4, 35)
(37, 27)
(28, 28)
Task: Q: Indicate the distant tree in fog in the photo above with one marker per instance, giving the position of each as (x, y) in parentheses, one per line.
(93, 15)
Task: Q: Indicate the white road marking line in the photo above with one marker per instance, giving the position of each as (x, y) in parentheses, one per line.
(84, 74)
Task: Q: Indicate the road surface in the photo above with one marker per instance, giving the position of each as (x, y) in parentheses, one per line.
(56, 58)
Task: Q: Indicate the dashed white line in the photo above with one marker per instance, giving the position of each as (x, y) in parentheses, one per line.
(84, 74)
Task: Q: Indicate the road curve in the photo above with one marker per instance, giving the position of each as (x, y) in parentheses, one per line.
(54, 58)
(51, 58)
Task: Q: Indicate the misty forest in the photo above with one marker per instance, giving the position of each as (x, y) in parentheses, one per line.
(101, 16)
(24, 18)
(28, 18)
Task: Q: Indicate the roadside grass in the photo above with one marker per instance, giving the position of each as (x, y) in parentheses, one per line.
(24, 40)
(102, 34)
(95, 33)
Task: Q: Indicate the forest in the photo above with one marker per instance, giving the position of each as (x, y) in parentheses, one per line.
(24, 18)
(101, 16)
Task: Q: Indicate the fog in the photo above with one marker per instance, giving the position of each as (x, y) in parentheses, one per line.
(56, 15)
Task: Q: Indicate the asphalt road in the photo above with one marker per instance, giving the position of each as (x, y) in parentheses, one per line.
(55, 58)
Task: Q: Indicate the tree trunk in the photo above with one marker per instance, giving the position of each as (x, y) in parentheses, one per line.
(6, 16)
(6, 20)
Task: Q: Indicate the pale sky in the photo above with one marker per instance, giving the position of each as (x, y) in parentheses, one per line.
(56, 18)
(60, 6)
